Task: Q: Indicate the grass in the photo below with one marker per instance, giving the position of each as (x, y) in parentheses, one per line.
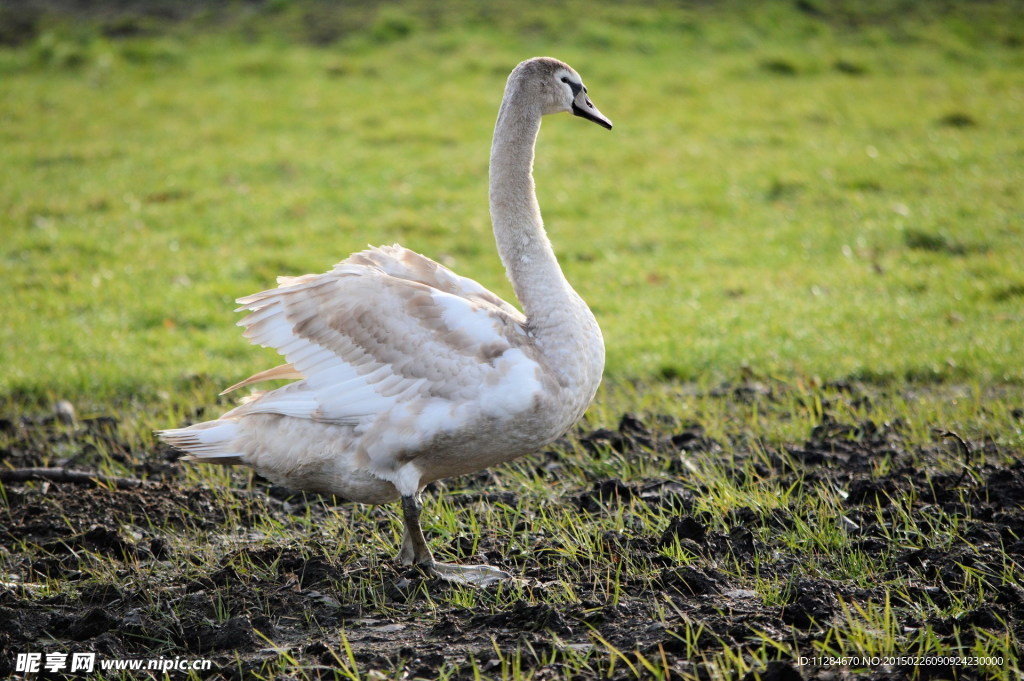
(781, 192)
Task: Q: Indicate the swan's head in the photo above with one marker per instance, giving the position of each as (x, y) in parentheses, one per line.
(557, 88)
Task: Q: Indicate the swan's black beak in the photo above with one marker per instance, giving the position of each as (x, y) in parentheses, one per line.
(584, 108)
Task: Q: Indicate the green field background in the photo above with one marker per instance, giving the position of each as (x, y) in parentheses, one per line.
(801, 190)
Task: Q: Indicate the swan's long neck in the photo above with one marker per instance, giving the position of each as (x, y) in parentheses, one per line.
(523, 245)
(563, 326)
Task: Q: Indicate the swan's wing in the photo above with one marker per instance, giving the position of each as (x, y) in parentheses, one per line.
(371, 344)
(401, 263)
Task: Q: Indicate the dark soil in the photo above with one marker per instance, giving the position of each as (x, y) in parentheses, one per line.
(83, 562)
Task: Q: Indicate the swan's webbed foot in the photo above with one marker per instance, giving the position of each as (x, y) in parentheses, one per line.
(469, 575)
(415, 551)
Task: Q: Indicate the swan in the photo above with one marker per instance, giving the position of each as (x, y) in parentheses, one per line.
(406, 372)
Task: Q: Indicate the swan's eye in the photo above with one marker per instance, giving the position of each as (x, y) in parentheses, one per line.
(565, 79)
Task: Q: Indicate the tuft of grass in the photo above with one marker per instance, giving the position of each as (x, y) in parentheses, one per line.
(936, 243)
(958, 119)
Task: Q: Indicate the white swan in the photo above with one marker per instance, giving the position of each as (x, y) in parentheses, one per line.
(409, 373)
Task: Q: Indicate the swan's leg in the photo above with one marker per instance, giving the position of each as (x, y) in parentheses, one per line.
(416, 552)
(414, 547)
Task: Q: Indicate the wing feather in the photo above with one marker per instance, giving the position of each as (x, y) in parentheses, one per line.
(284, 371)
(402, 263)
(384, 330)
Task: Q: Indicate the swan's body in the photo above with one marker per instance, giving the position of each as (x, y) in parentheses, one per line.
(409, 373)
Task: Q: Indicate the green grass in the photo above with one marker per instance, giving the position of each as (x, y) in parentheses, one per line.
(804, 195)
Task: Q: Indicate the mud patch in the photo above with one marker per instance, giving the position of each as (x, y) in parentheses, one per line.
(171, 569)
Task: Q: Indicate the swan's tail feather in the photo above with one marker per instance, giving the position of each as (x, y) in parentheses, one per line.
(209, 442)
